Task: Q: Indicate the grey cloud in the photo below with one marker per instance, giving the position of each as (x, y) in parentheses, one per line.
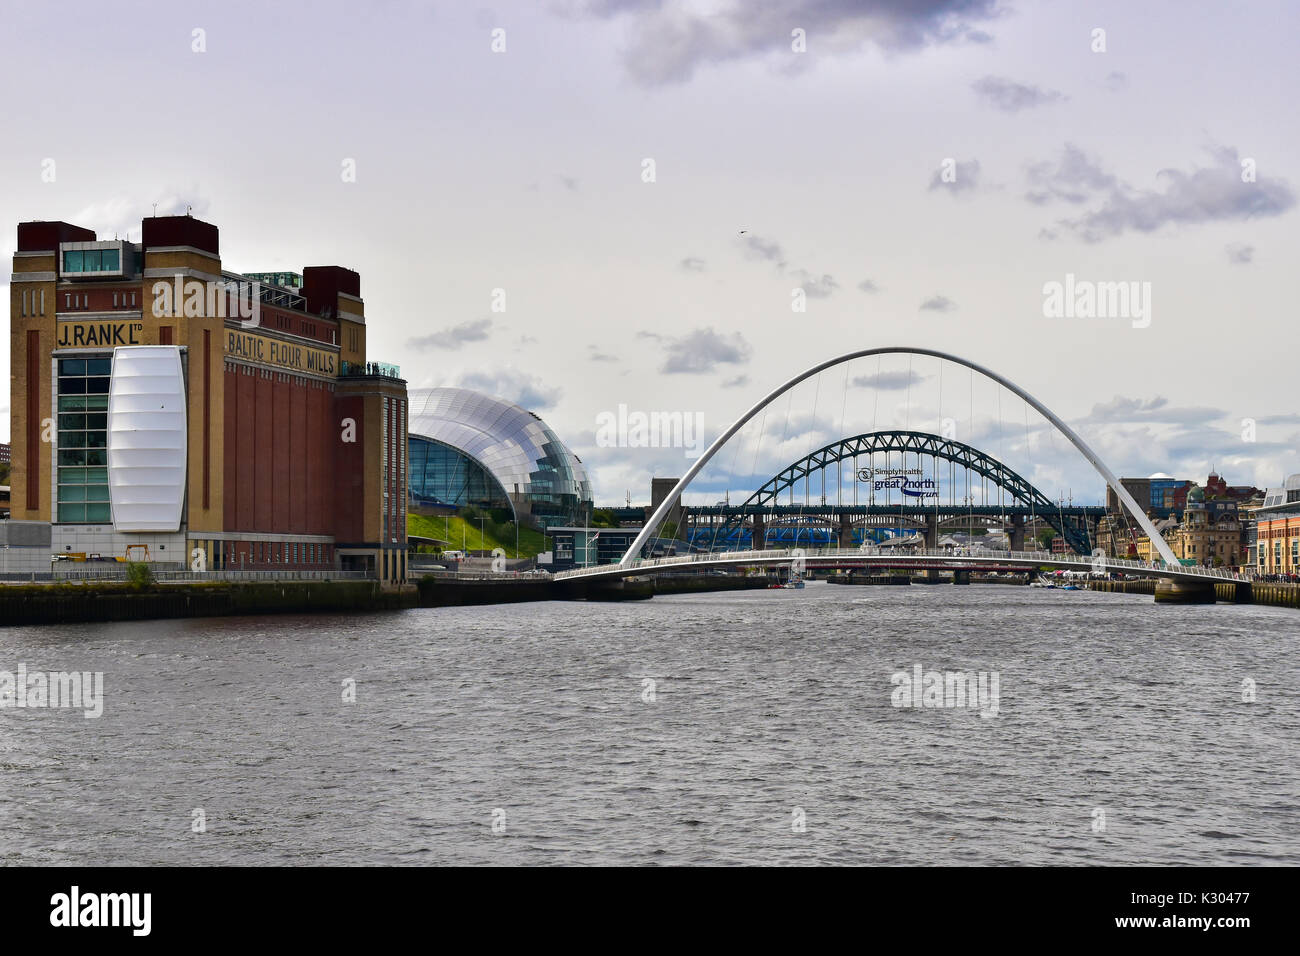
(1074, 177)
(1012, 97)
(453, 338)
(966, 177)
(938, 303)
(1213, 193)
(737, 382)
(596, 355)
(1121, 409)
(814, 287)
(889, 381)
(866, 285)
(668, 42)
(1116, 81)
(514, 385)
(692, 264)
(703, 350)
(767, 250)
(1240, 254)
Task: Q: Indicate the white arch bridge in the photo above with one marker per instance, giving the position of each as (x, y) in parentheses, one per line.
(1167, 567)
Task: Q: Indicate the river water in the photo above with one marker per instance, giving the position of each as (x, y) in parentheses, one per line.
(754, 727)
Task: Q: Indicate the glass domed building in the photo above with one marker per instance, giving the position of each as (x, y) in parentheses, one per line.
(467, 448)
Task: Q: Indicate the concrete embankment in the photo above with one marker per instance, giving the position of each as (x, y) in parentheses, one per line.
(1228, 592)
(79, 603)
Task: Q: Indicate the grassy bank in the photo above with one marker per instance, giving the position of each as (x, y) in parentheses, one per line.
(465, 535)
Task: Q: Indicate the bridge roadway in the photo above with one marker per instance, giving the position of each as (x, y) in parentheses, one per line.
(927, 560)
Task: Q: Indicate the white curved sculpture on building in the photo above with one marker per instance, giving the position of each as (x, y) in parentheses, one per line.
(1157, 541)
(146, 438)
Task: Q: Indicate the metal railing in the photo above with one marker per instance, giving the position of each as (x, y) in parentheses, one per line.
(914, 555)
(168, 577)
(483, 575)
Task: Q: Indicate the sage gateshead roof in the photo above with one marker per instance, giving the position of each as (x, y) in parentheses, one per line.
(469, 448)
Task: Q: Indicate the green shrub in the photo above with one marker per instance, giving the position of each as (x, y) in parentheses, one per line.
(139, 575)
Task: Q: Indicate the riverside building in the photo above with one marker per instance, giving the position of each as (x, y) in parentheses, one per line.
(166, 409)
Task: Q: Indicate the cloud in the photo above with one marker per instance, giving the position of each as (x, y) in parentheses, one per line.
(692, 264)
(866, 285)
(1073, 178)
(570, 183)
(1012, 97)
(964, 176)
(889, 381)
(522, 388)
(668, 42)
(703, 350)
(766, 250)
(760, 249)
(121, 215)
(738, 382)
(1116, 81)
(814, 287)
(1240, 254)
(596, 355)
(1213, 193)
(453, 338)
(938, 303)
(1123, 410)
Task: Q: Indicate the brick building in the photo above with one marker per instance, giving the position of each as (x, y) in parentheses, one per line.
(162, 404)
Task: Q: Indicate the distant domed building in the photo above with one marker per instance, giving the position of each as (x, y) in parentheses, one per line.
(469, 448)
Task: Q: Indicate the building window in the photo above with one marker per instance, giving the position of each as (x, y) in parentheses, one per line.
(91, 260)
(83, 440)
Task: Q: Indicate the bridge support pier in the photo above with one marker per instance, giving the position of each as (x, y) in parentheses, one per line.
(961, 577)
(758, 533)
(846, 531)
(1017, 532)
(932, 531)
(1169, 591)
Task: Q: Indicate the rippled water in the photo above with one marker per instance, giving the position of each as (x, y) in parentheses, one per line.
(764, 702)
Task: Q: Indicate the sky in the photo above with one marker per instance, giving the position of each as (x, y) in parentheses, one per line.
(586, 204)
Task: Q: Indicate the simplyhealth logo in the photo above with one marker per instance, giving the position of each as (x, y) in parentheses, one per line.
(75, 909)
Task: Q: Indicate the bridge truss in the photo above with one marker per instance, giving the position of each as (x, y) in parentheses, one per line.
(766, 500)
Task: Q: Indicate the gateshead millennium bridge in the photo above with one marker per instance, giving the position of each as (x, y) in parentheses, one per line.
(762, 509)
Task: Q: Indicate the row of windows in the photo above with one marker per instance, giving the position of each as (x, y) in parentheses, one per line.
(32, 299)
(92, 260)
(299, 326)
(240, 368)
(82, 441)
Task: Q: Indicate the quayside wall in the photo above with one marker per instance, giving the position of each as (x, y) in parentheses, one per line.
(80, 603)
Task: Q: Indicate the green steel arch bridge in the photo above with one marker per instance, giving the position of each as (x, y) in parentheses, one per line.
(763, 509)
